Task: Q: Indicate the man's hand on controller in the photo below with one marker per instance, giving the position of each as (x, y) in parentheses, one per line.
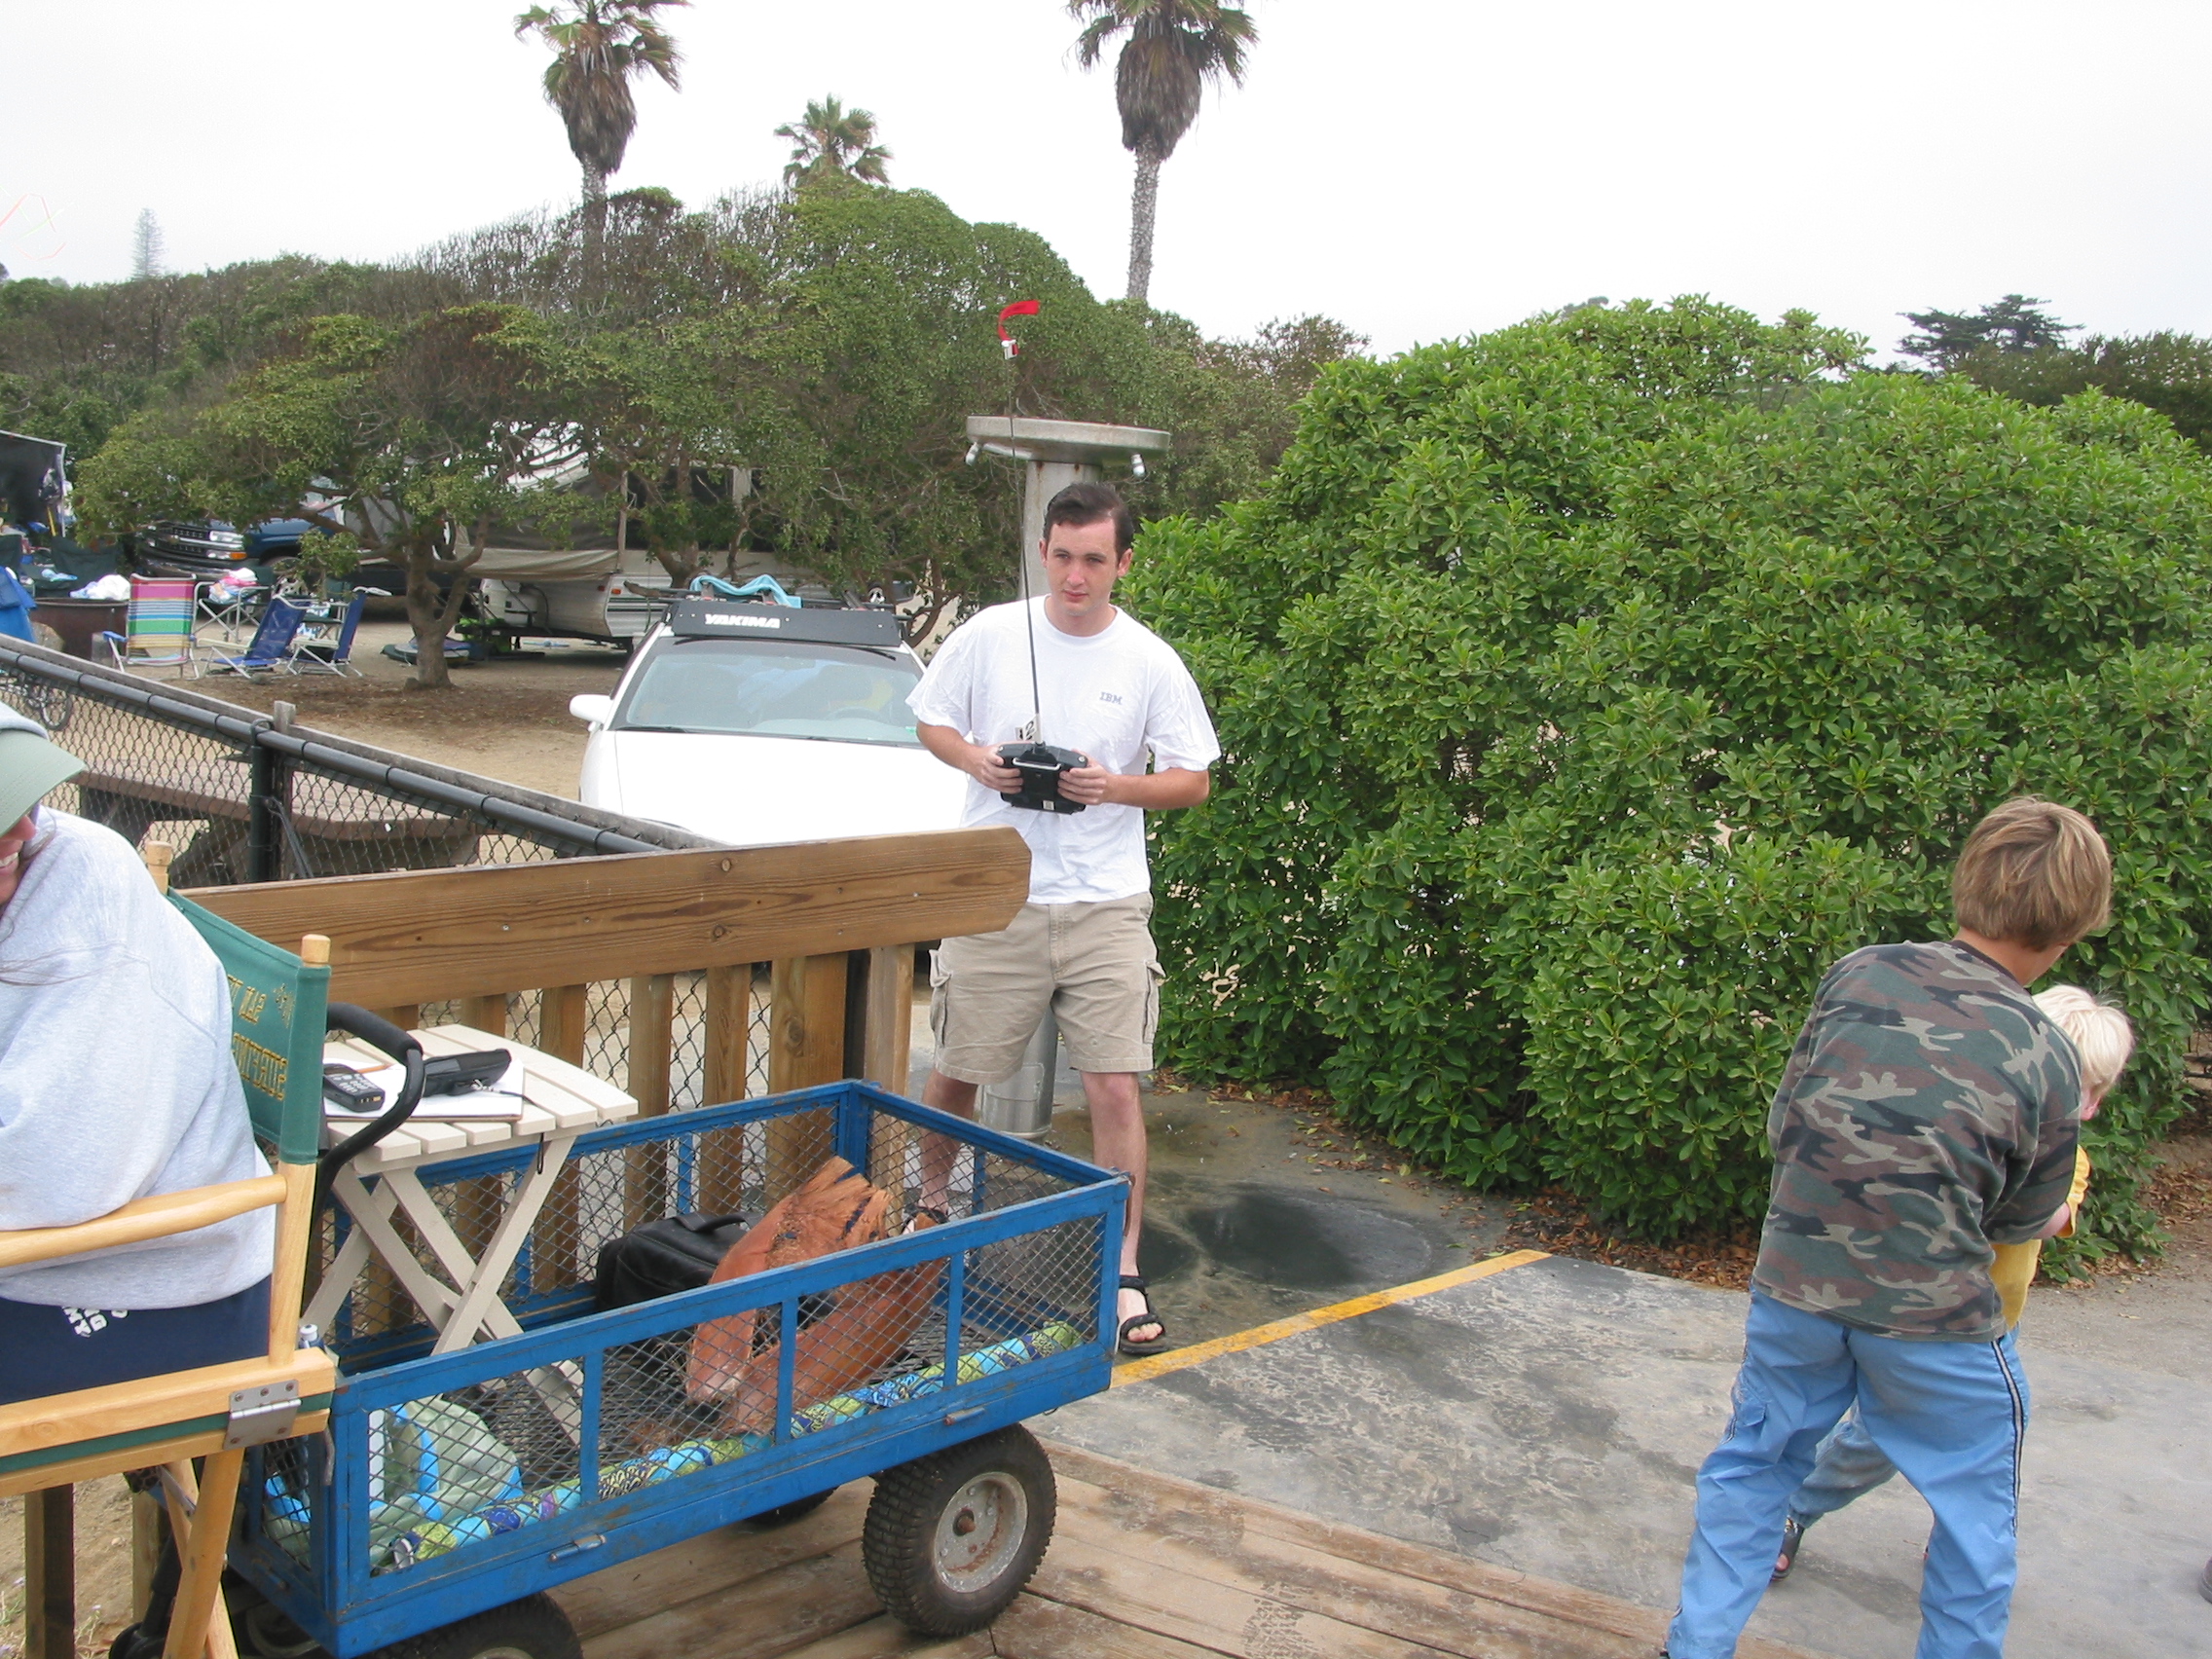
(1087, 784)
(986, 768)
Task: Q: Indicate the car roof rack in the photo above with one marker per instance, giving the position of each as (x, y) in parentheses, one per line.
(727, 619)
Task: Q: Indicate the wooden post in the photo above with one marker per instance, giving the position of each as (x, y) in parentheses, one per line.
(806, 1022)
(887, 1031)
(726, 1040)
(485, 1014)
(878, 1043)
(564, 1017)
(477, 1204)
(49, 1573)
(729, 1028)
(389, 1300)
(652, 1008)
(561, 1017)
(806, 1045)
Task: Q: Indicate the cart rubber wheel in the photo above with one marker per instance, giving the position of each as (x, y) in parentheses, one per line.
(784, 1513)
(533, 1628)
(951, 1538)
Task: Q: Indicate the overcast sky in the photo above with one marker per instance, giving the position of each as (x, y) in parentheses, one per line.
(1418, 169)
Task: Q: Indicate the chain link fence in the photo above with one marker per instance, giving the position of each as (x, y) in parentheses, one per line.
(243, 798)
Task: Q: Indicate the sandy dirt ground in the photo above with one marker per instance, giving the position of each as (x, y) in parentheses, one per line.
(506, 719)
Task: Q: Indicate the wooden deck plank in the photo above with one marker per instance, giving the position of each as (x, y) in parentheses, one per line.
(1168, 1533)
(1146, 1594)
(762, 1617)
(1034, 1628)
(885, 1637)
(710, 1563)
(1598, 1612)
(1143, 1567)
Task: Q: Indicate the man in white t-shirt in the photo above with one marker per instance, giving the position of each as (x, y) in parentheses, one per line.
(1116, 693)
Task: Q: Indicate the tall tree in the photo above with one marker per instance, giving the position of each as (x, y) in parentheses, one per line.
(2171, 373)
(415, 439)
(831, 141)
(146, 247)
(2012, 324)
(598, 48)
(1174, 48)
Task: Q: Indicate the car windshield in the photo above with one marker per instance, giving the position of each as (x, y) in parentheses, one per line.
(773, 688)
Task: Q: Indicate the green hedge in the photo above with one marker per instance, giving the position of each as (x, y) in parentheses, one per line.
(1588, 687)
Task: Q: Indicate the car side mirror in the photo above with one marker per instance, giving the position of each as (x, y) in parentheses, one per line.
(591, 706)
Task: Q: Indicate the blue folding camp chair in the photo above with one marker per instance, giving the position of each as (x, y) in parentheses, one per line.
(330, 656)
(16, 607)
(271, 650)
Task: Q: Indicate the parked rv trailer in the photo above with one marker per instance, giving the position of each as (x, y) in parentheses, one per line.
(597, 594)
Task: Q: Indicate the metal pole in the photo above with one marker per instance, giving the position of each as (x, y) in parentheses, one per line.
(264, 857)
(1023, 1105)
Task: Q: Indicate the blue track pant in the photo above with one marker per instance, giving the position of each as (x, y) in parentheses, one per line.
(1849, 1465)
(1949, 1414)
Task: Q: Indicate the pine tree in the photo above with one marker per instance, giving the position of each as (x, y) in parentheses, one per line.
(146, 247)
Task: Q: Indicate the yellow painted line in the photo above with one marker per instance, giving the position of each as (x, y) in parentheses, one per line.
(1197, 1353)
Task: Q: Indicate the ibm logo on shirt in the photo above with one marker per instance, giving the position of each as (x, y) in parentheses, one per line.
(1110, 697)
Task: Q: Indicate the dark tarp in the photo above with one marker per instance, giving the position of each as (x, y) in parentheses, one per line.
(31, 479)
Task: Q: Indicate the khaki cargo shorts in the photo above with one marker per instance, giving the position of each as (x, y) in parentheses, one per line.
(1091, 964)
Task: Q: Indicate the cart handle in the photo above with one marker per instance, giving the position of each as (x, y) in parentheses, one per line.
(377, 1032)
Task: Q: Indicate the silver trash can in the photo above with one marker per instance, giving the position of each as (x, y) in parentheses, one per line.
(1023, 1105)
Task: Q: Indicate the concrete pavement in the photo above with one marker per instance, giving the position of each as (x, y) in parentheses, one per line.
(1551, 1419)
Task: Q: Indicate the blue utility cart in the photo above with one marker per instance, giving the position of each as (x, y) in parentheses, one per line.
(452, 1489)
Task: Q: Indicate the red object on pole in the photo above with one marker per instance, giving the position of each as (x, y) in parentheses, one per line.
(1007, 342)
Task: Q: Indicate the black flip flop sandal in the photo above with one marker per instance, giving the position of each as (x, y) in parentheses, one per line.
(1792, 1537)
(1158, 1344)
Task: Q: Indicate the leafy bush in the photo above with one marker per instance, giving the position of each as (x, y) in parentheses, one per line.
(1587, 687)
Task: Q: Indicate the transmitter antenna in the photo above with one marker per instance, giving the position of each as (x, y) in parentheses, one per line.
(1037, 762)
(1029, 617)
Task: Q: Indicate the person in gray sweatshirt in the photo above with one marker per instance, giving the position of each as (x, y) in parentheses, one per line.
(116, 1083)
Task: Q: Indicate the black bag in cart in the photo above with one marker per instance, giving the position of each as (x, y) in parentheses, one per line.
(663, 1257)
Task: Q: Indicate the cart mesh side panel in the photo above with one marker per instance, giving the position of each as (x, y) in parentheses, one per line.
(708, 1379)
(738, 1169)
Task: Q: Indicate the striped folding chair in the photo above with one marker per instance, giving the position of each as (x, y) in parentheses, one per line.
(158, 626)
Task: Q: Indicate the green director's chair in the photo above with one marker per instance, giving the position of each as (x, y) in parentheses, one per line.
(279, 1013)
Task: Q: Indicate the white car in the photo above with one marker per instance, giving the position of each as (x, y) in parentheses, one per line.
(757, 723)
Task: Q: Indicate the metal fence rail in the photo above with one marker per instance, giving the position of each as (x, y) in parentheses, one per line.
(243, 797)
(246, 798)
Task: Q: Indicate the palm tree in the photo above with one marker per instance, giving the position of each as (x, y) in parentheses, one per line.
(598, 47)
(830, 141)
(1175, 47)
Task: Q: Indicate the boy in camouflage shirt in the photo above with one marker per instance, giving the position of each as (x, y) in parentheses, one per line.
(1927, 1115)
(1850, 1464)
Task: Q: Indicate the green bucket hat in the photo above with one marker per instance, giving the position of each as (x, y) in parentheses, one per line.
(29, 766)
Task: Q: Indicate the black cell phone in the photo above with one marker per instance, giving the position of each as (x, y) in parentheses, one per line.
(349, 1091)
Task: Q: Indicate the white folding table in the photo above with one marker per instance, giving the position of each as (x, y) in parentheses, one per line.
(457, 1292)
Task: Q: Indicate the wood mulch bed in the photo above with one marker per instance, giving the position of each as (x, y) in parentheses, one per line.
(1554, 1220)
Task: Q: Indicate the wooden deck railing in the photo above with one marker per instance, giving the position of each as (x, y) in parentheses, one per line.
(836, 922)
